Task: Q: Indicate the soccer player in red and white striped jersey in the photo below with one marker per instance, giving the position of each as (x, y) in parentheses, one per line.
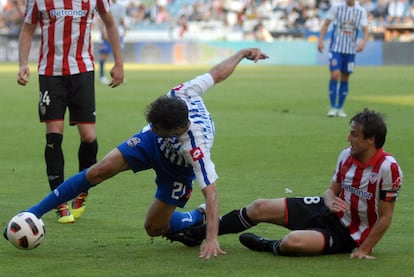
(353, 215)
(66, 79)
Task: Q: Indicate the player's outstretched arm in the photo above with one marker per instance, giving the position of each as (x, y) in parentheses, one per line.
(224, 69)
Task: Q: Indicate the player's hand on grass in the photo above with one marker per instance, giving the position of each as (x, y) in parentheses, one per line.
(361, 255)
(210, 249)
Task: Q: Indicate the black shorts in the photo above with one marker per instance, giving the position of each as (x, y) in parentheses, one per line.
(310, 213)
(75, 92)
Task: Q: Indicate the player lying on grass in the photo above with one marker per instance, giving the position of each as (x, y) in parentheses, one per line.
(353, 215)
(176, 144)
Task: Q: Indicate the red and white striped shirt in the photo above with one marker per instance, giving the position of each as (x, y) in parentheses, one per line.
(363, 186)
(66, 47)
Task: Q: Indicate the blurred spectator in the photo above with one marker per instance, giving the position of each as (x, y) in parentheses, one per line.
(205, 10)
(380, 25)
(234, 9)
(323, 7)
(185, 12)
(295, 16)
(410, 13)
(217, 10)
(137, 12)
(199, 12)
(13, 16)
(369, 5)
(162, 15)
(283, 5)
(3, 27)
(264, 10)
(182, 26)
(312, 23)
(262, 33)
(396, 10)
(381, 9)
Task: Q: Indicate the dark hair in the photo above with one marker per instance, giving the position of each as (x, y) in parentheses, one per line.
(373, 125)
(167, 112)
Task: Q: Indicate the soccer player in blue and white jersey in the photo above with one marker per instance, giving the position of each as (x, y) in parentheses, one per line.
(347, 18)
(176, 144)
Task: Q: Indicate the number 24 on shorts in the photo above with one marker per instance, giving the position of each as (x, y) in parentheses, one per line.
(44, 98)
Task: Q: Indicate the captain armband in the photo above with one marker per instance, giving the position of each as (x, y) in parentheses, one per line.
(389, 195)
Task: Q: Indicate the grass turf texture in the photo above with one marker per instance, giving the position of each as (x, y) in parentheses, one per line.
(272, 134)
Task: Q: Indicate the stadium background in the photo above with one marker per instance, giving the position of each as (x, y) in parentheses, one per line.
(203, 32)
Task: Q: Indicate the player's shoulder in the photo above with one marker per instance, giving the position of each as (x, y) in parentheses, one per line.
(389, 159)
(345, 152)
(194, 87)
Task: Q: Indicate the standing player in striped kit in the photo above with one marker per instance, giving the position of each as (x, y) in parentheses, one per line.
(66, 80)
(355, 212)
(176, 144)
(347, 17)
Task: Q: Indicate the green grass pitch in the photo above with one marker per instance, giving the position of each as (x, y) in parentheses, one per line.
(272, 134)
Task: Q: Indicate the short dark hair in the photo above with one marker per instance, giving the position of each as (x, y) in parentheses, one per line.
(167, 112)
(373, 125)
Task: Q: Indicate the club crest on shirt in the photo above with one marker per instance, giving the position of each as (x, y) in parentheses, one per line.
(133, 141)
(196, 153)
(373, 178)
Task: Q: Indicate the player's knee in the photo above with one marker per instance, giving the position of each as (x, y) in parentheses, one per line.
(291, 242)
(335, 75)
(88, 138)
(154, 230)
(257, 208)
(96, 173)
(296, 242)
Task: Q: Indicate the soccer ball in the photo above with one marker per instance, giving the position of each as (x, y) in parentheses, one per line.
(25, 231)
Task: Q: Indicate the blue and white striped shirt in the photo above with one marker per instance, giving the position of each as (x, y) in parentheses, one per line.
(347, 20)
(193, 147)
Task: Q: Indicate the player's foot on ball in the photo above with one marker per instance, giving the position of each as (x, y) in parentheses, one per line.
(257, 243)
(184, 237)
(63, 214)
(77, 206)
